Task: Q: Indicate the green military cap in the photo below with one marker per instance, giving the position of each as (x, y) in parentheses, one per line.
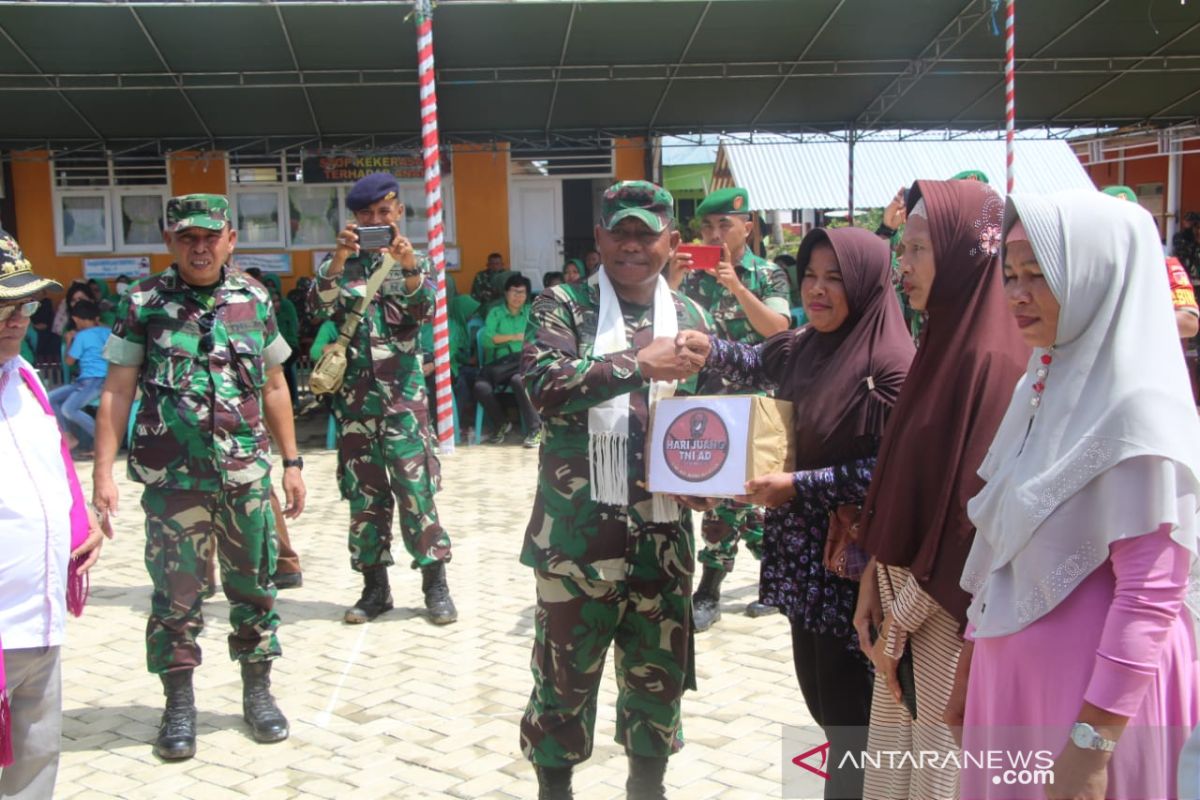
(1121, 192)
(971, 175)
(642, 200)
(734, 200)
(208, 211)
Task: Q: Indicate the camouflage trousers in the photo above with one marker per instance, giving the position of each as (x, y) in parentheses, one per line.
(183, 530)
(721, 529)
(384, 462)
(575, 621)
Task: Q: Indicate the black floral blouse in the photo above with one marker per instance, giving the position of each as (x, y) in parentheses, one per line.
(793, 577)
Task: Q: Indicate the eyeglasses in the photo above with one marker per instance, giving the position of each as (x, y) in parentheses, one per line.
(26, 310)
(206, 335)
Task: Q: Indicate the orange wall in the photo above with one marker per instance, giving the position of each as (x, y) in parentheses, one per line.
(34, 202)
(34, 199)
(1154, 170)
(631, 159)
(192, 172)
(480, 208)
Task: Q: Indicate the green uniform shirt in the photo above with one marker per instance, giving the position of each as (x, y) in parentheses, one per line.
(766, 280)
(502, 322)
(383, 369)
(289, 323)
(200, 424)
(326, 334)
(569, 533)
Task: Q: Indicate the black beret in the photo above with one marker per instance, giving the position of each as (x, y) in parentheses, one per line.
(371, 189)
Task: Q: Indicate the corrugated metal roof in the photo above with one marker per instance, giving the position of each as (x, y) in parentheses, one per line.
(815, 175)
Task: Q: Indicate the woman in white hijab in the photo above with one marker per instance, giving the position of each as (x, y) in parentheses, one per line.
(1083, 658)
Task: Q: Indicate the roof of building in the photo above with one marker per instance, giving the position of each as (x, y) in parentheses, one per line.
(275, 74)
(783, 174)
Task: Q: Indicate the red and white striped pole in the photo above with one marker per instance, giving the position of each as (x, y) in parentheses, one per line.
(1010, 89)
(433, 221)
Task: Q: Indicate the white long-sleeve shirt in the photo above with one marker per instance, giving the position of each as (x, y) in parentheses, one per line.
(35, 518)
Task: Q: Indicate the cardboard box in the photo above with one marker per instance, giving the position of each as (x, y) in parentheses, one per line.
(710, 445)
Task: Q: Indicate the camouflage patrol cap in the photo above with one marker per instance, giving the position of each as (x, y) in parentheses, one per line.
(1121, 192)
(734, 200)
(641, 200)
(17, 280)
(208, 211)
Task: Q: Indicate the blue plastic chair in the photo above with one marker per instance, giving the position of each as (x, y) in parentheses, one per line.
(331, 434)
(474, 326)
(799, 317)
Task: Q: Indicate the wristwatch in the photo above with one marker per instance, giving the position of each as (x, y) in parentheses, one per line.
(297, 462)
(1085, 737)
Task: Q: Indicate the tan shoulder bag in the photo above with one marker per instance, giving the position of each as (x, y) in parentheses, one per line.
(330, 369)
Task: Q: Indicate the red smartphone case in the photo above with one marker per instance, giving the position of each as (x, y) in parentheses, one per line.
(704, 256)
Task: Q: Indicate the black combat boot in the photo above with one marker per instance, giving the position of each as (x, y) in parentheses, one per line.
(554, 783)
(646, 778)
(706, 602)
(266, 721)
(287, 580)
(177, 731)
(437, 594)
(376, 597)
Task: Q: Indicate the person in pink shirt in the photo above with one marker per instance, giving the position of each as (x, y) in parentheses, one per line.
(1081, 656)
(48, 540)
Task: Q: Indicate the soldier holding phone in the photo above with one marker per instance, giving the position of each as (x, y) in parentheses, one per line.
(386, 453)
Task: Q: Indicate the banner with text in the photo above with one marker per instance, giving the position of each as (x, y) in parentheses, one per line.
(279, 263)
(349, 168)
(104, 268)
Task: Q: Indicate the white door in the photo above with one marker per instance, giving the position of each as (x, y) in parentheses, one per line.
(536, 228)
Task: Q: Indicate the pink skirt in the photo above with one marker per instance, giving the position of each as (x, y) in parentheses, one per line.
(1026, 690)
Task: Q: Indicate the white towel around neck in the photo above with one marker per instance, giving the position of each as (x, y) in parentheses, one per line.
(608, 422)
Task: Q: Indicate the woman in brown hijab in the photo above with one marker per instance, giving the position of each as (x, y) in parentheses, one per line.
(843, 373)
(915, 525)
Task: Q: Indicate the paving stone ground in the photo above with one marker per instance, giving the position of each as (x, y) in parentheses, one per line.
(400, 708)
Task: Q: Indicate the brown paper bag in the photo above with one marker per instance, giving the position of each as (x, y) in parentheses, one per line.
(772, 445)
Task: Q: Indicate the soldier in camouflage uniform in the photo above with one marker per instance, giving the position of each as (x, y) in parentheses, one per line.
(201, 342)
(385, 444)
(614, 570)
(483, 287)
(748, 298)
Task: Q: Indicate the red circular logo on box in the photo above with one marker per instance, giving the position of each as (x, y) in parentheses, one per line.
(696, 445)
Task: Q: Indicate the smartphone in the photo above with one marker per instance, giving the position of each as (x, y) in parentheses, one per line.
(704, 256)
(375, 237)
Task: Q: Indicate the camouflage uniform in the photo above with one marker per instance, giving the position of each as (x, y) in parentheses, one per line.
(385, 444)
(725, 524)
(604, 574)
(483, 287)
(200, 447)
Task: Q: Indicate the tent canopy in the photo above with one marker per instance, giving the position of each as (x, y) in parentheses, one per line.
(783, 174)
(272, 74)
